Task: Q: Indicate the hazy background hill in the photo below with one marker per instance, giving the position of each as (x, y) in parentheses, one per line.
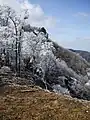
(84, 54)
(73, 60)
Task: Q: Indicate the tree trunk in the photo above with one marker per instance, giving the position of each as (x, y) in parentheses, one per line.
(16, 55)
(19, 53)
(16, 40)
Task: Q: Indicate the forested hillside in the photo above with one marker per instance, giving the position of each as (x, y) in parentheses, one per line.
(28, 52)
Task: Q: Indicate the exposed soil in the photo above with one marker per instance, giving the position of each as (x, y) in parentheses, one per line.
(33, 103)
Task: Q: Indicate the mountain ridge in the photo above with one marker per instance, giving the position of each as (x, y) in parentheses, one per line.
(84, 54)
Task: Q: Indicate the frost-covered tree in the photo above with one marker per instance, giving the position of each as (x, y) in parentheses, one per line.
(11, 30)
(42, 50)
(16, 32)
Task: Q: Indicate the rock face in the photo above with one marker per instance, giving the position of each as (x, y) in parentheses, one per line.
(59, 89)
(5, 70)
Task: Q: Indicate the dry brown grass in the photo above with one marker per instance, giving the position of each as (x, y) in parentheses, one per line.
(27, 103)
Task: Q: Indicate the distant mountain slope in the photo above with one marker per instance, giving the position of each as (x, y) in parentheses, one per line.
(74, 61)
(84, 54)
